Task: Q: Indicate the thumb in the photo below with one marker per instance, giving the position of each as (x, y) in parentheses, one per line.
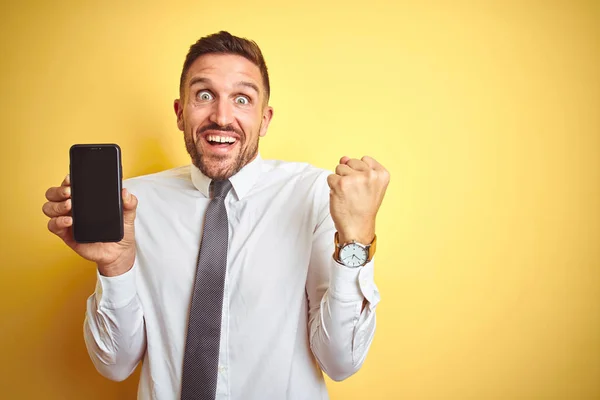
(130, 203)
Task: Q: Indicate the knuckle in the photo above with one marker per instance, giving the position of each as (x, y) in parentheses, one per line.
(343, 183)
(49, 209)
(57, 208)
(366, 178)
(385, 174)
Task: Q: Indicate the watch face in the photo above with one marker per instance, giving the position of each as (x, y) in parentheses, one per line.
(353, 255)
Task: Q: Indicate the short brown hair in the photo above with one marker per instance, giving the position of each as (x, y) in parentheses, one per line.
(225, 43)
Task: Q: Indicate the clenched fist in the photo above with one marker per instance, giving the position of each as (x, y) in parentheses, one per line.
(357, 190)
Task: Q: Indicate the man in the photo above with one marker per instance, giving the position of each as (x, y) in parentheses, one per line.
(282, 284)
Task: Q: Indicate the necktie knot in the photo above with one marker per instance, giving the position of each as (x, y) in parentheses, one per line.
(221, 188)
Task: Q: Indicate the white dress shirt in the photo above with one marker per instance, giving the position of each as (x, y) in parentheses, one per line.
(289, 309)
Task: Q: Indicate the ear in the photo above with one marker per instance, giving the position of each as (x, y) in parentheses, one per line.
(177, 105)
(266, 119)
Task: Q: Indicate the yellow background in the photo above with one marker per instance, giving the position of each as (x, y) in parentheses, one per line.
(487, 115)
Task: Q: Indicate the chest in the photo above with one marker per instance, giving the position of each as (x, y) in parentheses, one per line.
(270, 241)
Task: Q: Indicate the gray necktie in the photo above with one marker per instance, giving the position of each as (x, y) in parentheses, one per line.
(201, 357)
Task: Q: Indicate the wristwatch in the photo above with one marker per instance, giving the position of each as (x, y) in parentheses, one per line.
(353, 254)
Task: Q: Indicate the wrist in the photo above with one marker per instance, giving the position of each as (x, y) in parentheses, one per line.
(362, 237)
(116, 268)
(353, 253)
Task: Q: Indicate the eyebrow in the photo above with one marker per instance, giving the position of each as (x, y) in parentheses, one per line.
(247, 84)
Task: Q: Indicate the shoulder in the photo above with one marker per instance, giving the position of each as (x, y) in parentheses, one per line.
(175, 178)
(295, 171)
(298, 180)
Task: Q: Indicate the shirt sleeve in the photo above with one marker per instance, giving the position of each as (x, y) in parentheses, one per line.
(341, 329)
(113, 328)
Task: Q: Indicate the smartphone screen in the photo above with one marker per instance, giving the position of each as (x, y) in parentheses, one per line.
(96, 193)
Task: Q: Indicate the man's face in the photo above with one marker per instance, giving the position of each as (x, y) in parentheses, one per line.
(223, 113)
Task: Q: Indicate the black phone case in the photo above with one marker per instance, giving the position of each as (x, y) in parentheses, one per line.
(119, 179)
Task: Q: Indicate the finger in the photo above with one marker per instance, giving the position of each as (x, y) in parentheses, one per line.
(129, 200)
(66, 181)
(60, 226)
(343, 170)
(130, 203)
(344, 160)
(332, 180)
(358, 165)
(58, 193)
(55, 209)
(372, 163)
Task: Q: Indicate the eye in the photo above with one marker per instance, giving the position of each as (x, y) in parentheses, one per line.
(242, 100)
(204, 95)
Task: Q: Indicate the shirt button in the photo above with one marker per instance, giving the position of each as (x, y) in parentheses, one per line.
(222, 369)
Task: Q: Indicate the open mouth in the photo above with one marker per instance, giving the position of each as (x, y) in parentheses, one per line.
(220, 141)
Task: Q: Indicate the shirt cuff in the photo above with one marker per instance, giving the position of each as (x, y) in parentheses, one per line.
(353, 284)
(116, 291)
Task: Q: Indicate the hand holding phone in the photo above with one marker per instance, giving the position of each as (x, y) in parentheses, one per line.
(112, 258)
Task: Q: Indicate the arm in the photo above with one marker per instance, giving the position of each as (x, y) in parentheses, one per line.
(114, 330)
(342, 300)
(114, 326)
(342, 304)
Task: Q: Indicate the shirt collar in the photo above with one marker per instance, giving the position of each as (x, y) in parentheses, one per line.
(242, 182)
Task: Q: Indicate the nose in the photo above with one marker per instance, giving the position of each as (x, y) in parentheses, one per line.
(222, 113)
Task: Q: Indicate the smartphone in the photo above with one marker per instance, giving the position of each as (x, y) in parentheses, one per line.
(96, 182)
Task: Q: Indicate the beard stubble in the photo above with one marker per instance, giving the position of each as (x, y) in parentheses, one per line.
(209, 167)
